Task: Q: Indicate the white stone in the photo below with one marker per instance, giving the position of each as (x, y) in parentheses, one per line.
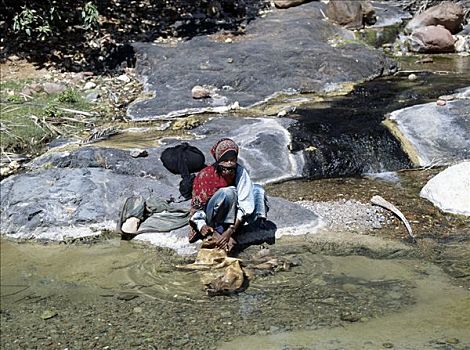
(131, 225)
(89, 85)
(124, 78)
(450, 189)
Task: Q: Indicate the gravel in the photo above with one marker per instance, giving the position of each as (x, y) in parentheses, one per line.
(348, 215)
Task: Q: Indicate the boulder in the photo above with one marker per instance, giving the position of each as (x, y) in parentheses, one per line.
(69, 202)
(284, 4)
(448, 14)
(432, 134)
(450, 189)
(431, 39)
(351, 14)
(284, 52)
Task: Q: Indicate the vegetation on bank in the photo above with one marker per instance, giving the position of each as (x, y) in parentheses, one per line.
(33, 112)
(95, 35)
(28, 123)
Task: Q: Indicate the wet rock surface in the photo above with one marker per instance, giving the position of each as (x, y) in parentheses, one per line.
(260, 140)
(68, 185)
(436, 134)
(287, 51)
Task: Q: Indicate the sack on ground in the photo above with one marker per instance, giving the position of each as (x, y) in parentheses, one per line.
(183, 160)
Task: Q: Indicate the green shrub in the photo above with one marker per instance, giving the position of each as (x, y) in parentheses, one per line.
(43, 19)
(68, 96)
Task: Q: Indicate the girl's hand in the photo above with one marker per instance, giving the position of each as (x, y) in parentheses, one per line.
(206, 230)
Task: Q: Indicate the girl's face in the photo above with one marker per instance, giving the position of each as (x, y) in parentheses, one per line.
(229, 163)
(228, 166)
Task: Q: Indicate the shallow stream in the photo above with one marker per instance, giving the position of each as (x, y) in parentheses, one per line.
(356, 293)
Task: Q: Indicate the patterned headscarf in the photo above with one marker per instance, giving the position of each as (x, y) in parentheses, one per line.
(222, 147)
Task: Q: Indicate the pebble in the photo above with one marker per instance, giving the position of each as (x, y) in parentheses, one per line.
(89, 85)
(441, 102)
(47, 314)
(387, 345)
(53, 88)
(447, 97)
(92, 96)
(412, 77)
(137, 152)
(353, 215)
(126, 296)
(124, 78)
(199, 92)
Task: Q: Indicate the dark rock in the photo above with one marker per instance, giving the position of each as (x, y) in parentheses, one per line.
(287, 51)
(136, 153)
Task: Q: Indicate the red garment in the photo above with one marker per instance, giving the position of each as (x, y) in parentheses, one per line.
(206, 184)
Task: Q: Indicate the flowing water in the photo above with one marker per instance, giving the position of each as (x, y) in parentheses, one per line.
(117, 295)
(338, 294)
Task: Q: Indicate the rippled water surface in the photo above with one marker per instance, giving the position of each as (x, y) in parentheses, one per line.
(322, 302)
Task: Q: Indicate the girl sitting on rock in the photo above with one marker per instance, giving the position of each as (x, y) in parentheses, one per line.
(224, 198)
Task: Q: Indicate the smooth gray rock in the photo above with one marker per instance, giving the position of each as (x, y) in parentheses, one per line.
(75, 202)
(284, 218)
(261, 141)
(435, 134)
(287, 51)
(86, 188)
(450, 189)
(61, 199)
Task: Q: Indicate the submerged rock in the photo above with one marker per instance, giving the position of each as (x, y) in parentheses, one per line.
(450, 189)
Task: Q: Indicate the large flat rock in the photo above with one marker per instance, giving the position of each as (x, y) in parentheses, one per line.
(264, 151)
(433, 134)
(288, 51)
(78, 193)
(65, 202)
(284, 219)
